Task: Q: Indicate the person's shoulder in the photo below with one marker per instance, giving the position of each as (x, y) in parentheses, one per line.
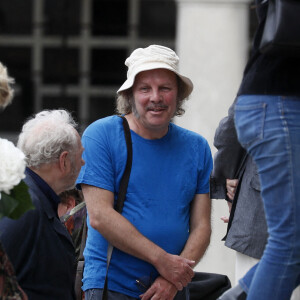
(187, 134)
(103, 122)
(33, 190)
(38, 198)
(103, 125)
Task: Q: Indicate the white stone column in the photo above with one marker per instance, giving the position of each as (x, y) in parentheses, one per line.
(212, 43)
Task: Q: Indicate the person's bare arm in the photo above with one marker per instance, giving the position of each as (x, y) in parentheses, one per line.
(124, 236)
(200, 228)
(195, 247)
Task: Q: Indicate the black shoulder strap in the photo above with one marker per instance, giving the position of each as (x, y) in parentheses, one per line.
(126, 175)
(121, 194)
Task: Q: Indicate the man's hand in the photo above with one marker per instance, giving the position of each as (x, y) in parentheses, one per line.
(160, 289)
(225, 219)
(231, 185)
(176, 269)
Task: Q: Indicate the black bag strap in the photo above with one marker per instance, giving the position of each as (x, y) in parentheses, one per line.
(239, 175)
(121, 195)
(126, 175)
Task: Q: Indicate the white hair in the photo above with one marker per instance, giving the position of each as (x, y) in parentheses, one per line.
(45, 136)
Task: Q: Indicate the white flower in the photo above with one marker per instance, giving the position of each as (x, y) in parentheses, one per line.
(12, 166)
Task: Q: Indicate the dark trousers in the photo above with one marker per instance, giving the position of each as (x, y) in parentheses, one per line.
(96, 294)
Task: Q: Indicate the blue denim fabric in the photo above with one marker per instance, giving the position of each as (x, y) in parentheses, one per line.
(269, 128)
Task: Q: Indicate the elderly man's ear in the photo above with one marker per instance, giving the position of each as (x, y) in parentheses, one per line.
(65, 162)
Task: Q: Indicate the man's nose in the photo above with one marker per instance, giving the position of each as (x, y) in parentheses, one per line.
(155, 96)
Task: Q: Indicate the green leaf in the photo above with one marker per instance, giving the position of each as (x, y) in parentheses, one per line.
(17, 203)
(7, 205)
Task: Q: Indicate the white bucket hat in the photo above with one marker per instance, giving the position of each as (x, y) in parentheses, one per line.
(153, 57)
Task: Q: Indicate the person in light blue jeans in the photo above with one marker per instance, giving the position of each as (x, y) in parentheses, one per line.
(267, 120)
(269, 128)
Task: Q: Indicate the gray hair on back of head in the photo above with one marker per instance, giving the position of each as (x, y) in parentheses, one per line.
(46, 135)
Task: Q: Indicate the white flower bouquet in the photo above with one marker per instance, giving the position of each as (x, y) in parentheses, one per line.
(14, 196)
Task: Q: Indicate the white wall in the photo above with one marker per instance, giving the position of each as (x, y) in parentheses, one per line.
(212, 43)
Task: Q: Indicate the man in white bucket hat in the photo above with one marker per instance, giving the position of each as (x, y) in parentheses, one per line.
(164, 228)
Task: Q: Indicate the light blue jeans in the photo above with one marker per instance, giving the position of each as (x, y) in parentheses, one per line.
(269, 128)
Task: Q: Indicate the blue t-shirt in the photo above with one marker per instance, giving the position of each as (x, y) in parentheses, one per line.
(165, 176)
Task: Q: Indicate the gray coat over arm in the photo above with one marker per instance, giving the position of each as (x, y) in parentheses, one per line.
(248, 232)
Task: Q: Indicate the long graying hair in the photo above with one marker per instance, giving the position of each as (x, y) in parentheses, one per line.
(125, 101)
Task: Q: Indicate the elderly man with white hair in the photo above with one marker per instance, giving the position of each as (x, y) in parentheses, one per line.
(39, 246)
(164, 229)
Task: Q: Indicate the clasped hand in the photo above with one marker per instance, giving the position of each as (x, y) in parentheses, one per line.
(176, 272)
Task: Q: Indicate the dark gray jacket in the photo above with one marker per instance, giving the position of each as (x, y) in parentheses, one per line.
(248, 232)
(40, 249)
